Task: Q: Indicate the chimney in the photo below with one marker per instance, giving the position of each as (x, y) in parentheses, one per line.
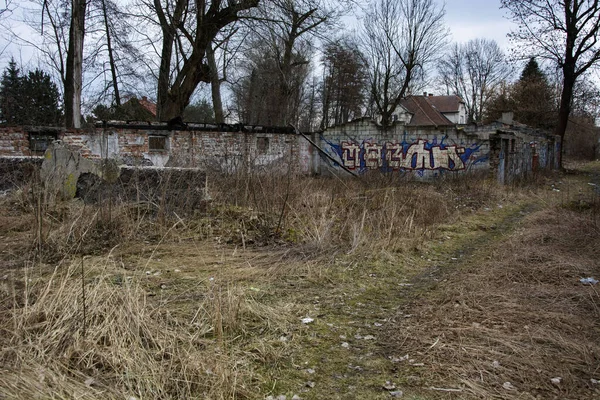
(144, 98)
(425, 94)
(430, 94)
(507, 117)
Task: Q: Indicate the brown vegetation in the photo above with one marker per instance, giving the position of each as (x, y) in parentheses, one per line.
(133, 300)
(515, 312)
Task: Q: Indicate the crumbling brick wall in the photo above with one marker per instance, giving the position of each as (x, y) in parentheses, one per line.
(207, 147)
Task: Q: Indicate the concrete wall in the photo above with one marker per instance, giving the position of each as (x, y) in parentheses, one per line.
(421, 151)
(507, 152)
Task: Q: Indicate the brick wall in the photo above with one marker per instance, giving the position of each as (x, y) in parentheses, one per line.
(14, 142)
(227, 150)
(506, 151)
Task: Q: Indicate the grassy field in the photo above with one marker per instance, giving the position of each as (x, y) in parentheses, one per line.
(307, 288)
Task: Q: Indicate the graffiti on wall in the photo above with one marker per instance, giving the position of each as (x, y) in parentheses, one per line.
(420, 155)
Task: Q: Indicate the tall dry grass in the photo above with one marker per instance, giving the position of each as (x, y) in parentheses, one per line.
(200, 345)
(373, 212)
(100, 336)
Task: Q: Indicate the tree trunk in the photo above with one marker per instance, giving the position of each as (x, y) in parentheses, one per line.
(111, 58)
(74, 79)
(174, 96)
(164, 71)
(569, 77)
(283, 115)
(176, 99)
(565, 110)
(215, 85)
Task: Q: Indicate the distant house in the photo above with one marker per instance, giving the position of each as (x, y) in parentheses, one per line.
(148, 105)
(451, 107)
(138, 109)
(429, 110)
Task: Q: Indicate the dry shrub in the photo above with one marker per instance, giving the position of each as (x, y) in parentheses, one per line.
(375, 211)
(128, 344)
(520, 315)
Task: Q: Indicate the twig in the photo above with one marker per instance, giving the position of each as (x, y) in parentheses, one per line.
(433, 345)
(83, 297)
(445, 389)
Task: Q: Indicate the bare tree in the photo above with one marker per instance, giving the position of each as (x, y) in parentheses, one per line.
(567, 33)
(289, 29)
(50, 20)
(111, 52)
(74, 65)
(188, 28)
(112, 59)
(259, 96)
(220, 55)
(474, 71)
(344, 86)
(399, 39)
(62, 28)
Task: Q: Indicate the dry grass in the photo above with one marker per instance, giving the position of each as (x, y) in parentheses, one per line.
(126, 343)
(374, 212)
(520, 315)
(151, 333)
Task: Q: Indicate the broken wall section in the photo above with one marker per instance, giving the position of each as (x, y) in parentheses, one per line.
(222, 148)
(66, 174)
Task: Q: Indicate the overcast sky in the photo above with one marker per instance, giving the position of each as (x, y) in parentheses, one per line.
(470, 19)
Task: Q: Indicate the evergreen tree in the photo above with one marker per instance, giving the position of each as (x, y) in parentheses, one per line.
(531, 98)
(11, 101)
(28, 100)
(534, 99)
(42, 99)
(532, 71)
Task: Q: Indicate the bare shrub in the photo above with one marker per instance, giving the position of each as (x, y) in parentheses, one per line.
(376, 211)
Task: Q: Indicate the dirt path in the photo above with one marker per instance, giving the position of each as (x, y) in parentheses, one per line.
(493, 310)
(512, 320)
(349, 351)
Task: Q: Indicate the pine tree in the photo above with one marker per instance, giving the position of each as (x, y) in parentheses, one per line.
(42, 105)
(533, 97)
(11, 101)
(28, 100)
(532, 71)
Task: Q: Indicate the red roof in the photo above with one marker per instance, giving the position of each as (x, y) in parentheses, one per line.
(424, 112)
(445, 104)
(148, 105)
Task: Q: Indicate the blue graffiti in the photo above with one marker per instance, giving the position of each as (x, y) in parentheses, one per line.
(407, 155)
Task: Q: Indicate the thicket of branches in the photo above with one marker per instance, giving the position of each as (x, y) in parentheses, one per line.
(286, 62)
